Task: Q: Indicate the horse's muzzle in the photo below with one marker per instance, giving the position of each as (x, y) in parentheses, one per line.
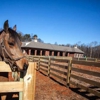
(25, 66)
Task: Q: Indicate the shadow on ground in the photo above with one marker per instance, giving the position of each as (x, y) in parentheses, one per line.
(85, 94)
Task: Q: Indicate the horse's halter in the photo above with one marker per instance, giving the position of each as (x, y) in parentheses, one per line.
(11, 61)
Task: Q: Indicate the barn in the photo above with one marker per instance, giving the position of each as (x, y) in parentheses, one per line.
(35, 47)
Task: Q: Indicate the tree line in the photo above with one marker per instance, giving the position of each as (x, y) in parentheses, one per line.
(91, 50)
(28, 37)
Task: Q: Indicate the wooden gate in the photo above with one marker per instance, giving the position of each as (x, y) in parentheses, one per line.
(26, 85)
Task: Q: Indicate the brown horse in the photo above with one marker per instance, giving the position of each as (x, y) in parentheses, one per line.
(10, 49)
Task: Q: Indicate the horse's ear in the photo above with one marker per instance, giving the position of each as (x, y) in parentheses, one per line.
(6, 26)
(14, 28)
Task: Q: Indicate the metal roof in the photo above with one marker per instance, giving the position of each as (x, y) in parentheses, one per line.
(48, 46)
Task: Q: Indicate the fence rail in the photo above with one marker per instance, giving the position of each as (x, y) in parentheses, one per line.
(87, 59)
(26, 85)
(63, 70)
(78, 59)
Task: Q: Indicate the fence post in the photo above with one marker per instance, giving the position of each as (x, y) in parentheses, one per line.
(86, 58)
(96, 60)
(69, 72)
(49, 62)
(33, 58)
(21, 80)
(38, 64)
(29, 82)
(78, 58)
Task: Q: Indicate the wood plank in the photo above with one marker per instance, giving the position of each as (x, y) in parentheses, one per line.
(97, 93)
(4, 67)
(30, 58)
(49, 66)
(86, 72)
(61, 58)
(46, 66)
(88, 63)
(34, 81)
(59, 71)
(69, 73)
(82, 59)
(45, 57)
(62, 78)
(38, 63)
(86, 80)
(91, 59)
(21, 93)
(43, 61)
(29, 82)
(43, 69)
(53, 57)
(85, 59)
(58, 65)
(75, 59)
(36, 58)
(11, 87)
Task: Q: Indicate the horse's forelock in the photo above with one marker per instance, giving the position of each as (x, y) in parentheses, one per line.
(14, 34)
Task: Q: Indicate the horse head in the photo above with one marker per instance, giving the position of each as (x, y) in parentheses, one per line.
(10, 48)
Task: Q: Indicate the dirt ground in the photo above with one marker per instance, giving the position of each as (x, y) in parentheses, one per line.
(48, 89)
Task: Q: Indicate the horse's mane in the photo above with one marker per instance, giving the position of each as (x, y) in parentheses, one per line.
(13, 33)
(1, 32)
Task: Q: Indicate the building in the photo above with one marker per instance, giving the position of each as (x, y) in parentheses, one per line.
(37, 48)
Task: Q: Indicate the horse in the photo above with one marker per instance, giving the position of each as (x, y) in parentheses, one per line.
(10, 49)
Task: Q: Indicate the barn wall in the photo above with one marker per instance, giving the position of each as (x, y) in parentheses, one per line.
(50, 53)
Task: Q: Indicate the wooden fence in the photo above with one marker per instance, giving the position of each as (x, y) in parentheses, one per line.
(26, 85)
(64, 70)
(87, 59)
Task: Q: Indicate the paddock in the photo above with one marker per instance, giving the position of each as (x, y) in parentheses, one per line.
(82, 74)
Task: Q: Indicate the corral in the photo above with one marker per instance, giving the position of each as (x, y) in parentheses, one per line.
(62, 78)
(80, 74)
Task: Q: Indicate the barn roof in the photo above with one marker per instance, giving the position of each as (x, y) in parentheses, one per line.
(48, 46)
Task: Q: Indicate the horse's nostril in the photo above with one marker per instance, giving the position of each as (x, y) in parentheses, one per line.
(25, 66)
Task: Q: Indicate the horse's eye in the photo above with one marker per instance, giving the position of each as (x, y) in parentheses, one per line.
(11, 44)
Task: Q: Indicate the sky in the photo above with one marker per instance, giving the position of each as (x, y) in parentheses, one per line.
(60, 21)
